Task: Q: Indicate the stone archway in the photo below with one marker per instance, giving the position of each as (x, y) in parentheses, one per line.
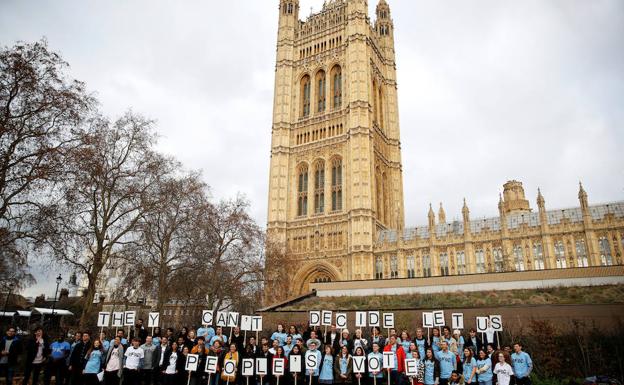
(311, 272)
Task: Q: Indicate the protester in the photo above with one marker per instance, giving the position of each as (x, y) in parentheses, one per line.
(473, 341)
(169, 367)
(279, 354)
(215, 350)
(376, 354)
(122, 337)
(279, 335)
(312, 376)
(484, 368)
(448, 363)
(456, 378)
(113, 365)
(420, 342)
(56, 366)
(432, 367)
(469, 367)
(239, 339)
(419, 378)
(231, 355)
(503, 370)
(359, 341)
(93, 366)
(405, 341)
(396, 373)
(326, 373)
(37, 351)
(219, 337)
(197, 376)
(156, 336)
(296, 377)
(345, 340)
(331, 337)
(435, 340)
(104, 341)
(264, 353)
(10, 349)
(522, 365)
(207, 332)
(133, 363)
(159, 358)
(315, 341)
(181, 365)
(77, 359)
(377, 337)
(358, 377)
(147, 370)
(294, 333)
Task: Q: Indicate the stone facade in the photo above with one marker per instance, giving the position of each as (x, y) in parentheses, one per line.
(336, 185)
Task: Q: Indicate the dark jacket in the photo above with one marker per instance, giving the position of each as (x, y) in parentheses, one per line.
(32, 346)
(337, 371)
(469, 344)
(327, 341)
(239, 341)
(141, 334)
(77, 359)
(157, 354)
(14, 350)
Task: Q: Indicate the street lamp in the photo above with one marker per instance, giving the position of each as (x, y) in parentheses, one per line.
(59, 279)
(6, 303)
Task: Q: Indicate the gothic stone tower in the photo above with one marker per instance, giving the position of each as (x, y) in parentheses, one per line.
(335, 176)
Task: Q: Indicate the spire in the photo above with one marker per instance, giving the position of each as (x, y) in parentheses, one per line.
(540, 200)
(501, 206)
(431, 217)
(384, 24)
(441, 214)
(582, 196)
(466, 212)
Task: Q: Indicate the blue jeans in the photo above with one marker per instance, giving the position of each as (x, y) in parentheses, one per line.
(485, 382)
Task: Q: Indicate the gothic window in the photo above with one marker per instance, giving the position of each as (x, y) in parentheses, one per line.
(321, 84)
(560, 260)
(480, 257)
(290, 9)
(394, 267)
(581, 254)
(538, 256)
(461, 262)
(319, 187)
(302, 191)
(305, 96)
(411, 266)
(381, 109)
(605, 252)
(378, 268)
(426, 266)
(336, 76)
(518, 258)
(444, 264)
(379, 195)
(336, 184)
(375, 106)
(322, 279)
(499, 265)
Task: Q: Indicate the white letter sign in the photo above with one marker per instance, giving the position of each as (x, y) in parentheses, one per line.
(153, 319)
(103, 319)
(261, 366)
(358, 364)
(207, 317)
(496, 323)
(311, 361)
(256, 323)
(232, 319)
(229, 367)
(248, 366)
(191, 362)
(326, 317)
(482, 324)
(411, 367)
(388, 320)
(278, 367)
(221, 319)
(315, 318)
(360, 319)
(295, 364)
(211, 364)
(388, 360)
(341, 320)
(374, 365)
(246, 323)
(373, 318)
(427, 319)
(130, 318)
(457, 320)
(118, 319)
(438, 318)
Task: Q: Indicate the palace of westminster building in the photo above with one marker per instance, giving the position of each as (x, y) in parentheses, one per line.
(336, 186)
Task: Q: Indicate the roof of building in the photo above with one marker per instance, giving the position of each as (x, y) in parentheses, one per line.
(514, 221)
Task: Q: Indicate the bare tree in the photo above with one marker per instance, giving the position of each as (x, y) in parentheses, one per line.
(161, 249)
(40, 110)
(108, 188)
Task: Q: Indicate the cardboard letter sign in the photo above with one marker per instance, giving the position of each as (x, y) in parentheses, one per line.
(103, 319)
(191, 362)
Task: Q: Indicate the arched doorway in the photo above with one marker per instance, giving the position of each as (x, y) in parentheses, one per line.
(314, 272)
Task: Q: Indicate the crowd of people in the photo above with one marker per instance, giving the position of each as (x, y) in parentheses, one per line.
(159, 358)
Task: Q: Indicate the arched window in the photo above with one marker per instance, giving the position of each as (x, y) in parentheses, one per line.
(381, 109)
(379, 268)
(480, 258)
(321, 84)
(444, 264)
(581, 254)
(379, 187)
(560, 261)
(302, 191)
(305, 96)
(336, 92)
(319, 187)
(518, 257)
(499, 265)
(461, 262)
(336, 184)
(374, 101)
(411, 266)
(538, 256)
(426, 261)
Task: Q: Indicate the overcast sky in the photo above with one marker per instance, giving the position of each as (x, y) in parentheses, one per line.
(489, 90)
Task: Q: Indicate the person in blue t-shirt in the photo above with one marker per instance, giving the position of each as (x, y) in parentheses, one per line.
(448, 362)
(59, 351)
(435, 341)
(420, 342)
(207, 332)
(484, 368)
(469, 367)
(279, 335)
(432, 367)
(522, 365)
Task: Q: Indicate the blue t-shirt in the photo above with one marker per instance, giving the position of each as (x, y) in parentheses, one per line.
(280, 337)
(406, 344)
(310, 352)
(447, 363)
(468, 369)
(327, 371)
(222, 337)
(59, 349)
(521, 364)
(487, 375)
(429, 370)
(421, 347)
(206, 332)
(434, 344)
(94, 363)
(105, 345)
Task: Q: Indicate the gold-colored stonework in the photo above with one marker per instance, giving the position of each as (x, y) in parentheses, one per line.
(335, 206)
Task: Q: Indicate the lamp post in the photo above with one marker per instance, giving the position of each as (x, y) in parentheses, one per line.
(6, 302)
(59, 279)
